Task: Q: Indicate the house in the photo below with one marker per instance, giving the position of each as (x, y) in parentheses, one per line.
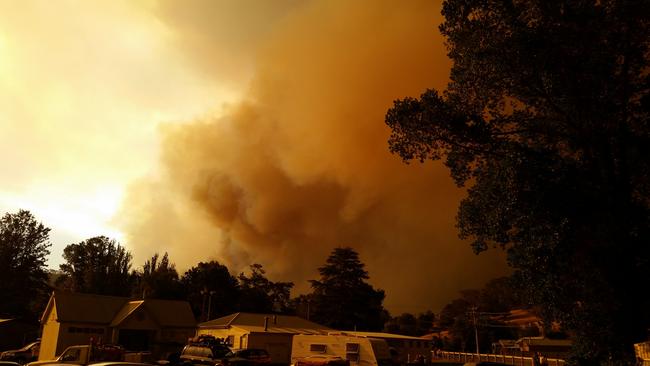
(525, 320)
(266, 331)
(550, 348)
(407, 348)
(159, 326)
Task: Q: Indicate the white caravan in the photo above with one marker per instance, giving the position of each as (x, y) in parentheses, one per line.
(359, 350)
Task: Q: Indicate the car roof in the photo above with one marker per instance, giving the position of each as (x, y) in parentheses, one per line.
(119, 363)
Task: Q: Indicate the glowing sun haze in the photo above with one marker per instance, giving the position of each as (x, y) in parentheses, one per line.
(84, 87)
(242, 131)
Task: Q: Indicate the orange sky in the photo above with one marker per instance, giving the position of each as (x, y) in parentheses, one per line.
(248, 131)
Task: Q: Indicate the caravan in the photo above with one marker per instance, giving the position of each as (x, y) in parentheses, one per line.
(336, 347)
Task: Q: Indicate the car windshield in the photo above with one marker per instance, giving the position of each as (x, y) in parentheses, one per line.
(28, 346)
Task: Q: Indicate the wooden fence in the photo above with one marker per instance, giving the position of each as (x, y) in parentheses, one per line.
(487, 357)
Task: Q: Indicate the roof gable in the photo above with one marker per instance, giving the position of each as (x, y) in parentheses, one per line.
(113, 310)
(86, 308)
(126, 310)
(137, 318)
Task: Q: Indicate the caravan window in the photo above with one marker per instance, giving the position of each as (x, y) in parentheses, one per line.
(352, 347)
(318, 348)
(352, 352)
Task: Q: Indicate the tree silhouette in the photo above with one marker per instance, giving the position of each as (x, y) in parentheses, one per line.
(97, 265)
(259, 294)
(24, 247)
(211, 284)
(545, 120)
(342, 299)
(159, 279)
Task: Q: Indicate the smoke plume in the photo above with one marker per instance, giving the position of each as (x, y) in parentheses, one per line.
(301, 165)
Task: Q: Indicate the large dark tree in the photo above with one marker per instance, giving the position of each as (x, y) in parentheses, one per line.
(211, 289)
(24, 247)
(342, 299)
(159, 280)
(545, 121)
(97, 265)
(259, 294)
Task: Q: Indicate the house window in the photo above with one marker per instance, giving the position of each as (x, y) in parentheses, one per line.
(230, 340)
(318, 348)
(352, 352)
(86, 330)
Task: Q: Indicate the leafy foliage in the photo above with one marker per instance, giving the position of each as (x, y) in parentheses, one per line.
(24, 247)
(211, 279)
(411, 325)
(159, 279)
(486, 306)
(342, 299)
(545, 119)
(97, 265)
(259, 294)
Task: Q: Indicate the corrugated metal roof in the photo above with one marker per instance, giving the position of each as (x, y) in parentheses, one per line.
(539, 341)
(86, 308)
(283, 330)
(171, 313)
(113, 310)
(255, 320)
(381, 335)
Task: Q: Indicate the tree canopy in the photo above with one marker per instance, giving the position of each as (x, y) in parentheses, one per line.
(211, 279)
(411, 325)
(545, 121)
(342, 299)
(259, 294)
(24, 247)
(97, 265)
(159, 279)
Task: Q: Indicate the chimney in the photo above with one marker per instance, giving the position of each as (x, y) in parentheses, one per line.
(275, 320)
(266, 323)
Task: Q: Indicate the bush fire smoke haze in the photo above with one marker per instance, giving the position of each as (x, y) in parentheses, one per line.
(301, 165)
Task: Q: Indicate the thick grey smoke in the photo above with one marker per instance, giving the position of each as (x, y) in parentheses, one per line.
(302, 164)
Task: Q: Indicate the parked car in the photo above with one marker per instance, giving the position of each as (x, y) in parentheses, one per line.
(87, 354)
(211, 351)
(248, 357)
(115, 363)
(205, 350)
(23, 355)
(9, 363)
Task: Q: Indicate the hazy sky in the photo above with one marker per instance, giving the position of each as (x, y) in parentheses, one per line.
(242, 131)
(85, 86)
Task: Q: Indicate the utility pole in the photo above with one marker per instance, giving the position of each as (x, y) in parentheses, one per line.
(210, 303)
(475, 321)
(204, 292)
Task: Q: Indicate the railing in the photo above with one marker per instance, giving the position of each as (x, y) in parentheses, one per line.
(488, 357)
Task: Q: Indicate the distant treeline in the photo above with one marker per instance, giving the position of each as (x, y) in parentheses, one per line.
(341, 298)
